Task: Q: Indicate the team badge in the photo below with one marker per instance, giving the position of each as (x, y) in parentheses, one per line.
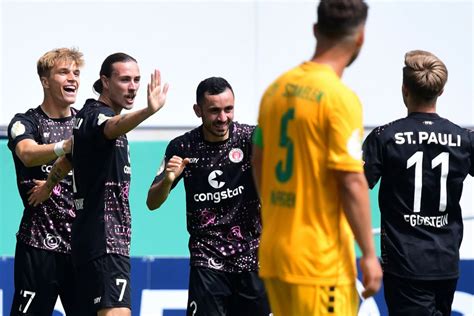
(17, 129)
(162, 167)
(236, 155)
(102, 118)
(354, 145)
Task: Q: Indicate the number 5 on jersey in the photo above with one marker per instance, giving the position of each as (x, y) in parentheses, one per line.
(283, 170)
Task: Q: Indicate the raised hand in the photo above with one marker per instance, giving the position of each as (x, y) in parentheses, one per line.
(156, 92)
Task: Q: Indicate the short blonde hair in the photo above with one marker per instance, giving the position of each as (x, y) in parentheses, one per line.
(49, 59)
(424, 74)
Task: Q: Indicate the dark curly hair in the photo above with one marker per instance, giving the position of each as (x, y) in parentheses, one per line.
(213, 86)
(339, 18)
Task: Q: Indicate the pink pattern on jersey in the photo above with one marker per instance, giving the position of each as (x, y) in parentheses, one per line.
(207, 218)
(235, 234)
(57, 190)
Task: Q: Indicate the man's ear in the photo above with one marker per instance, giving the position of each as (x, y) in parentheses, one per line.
(44, 82)
(197, 110)
(441, 92)
(360, 37)
(315, 30)
(404, 91)
(105, 81)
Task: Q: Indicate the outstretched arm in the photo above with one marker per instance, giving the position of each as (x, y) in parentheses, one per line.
(355, 199)
(41, 192)
(159, 191)
(123, 123)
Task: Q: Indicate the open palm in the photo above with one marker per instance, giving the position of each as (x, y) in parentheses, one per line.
(156, 92)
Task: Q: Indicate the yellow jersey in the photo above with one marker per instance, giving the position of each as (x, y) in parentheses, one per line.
(310, 125)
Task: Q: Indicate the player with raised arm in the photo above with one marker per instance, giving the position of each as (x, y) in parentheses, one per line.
(100, 157)
(421, 161)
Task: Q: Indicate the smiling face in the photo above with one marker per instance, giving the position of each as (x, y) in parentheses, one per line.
(217, 113)
(62, 83)
(122, 86)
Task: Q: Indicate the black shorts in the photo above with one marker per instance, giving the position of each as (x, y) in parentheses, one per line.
(217, 293)
(104, 282)
(40, 276)
(407, 297)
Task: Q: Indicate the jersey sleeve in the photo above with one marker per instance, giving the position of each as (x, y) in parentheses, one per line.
(21, 127)
(345, 132)
(373, 159)
(257, 137)
(92, 126)
(171, 150)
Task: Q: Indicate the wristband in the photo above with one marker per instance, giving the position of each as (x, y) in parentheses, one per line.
(58, 149)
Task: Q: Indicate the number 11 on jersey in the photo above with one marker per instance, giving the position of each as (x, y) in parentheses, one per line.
(417, 160)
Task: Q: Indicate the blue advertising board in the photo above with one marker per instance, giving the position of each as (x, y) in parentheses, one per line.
(159, 288)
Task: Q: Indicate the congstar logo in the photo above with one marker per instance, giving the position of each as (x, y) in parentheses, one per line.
(214, 181)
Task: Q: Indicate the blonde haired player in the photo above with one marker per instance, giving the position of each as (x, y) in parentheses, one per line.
(421, 161)
(43, 265)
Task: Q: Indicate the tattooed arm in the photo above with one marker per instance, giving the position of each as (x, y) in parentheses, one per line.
(123, 123)
(41, 192)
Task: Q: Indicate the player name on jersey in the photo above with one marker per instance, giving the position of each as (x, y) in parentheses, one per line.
(428, 138)
(433, 221)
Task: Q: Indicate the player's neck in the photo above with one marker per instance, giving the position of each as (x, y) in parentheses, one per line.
(422, 108)
(335, 57)
(104, 99)
(54, 110)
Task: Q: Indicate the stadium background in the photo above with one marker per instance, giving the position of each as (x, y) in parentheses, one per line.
(249, 42)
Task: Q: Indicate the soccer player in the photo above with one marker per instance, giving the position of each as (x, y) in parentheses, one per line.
(308, 169)
(43, 266)
(421, 161)
(100, 156)
(222, 206)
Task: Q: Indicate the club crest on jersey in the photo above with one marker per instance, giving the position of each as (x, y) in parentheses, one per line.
(354, 143)
(102, 118)
(17, 129)
(236, 155)
(161, 168)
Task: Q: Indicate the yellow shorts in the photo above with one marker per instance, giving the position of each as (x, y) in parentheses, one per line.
(288, 299)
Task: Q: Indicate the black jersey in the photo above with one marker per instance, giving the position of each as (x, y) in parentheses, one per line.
(222, 206)
(48, 225)
(102, 181)
(422, 161)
